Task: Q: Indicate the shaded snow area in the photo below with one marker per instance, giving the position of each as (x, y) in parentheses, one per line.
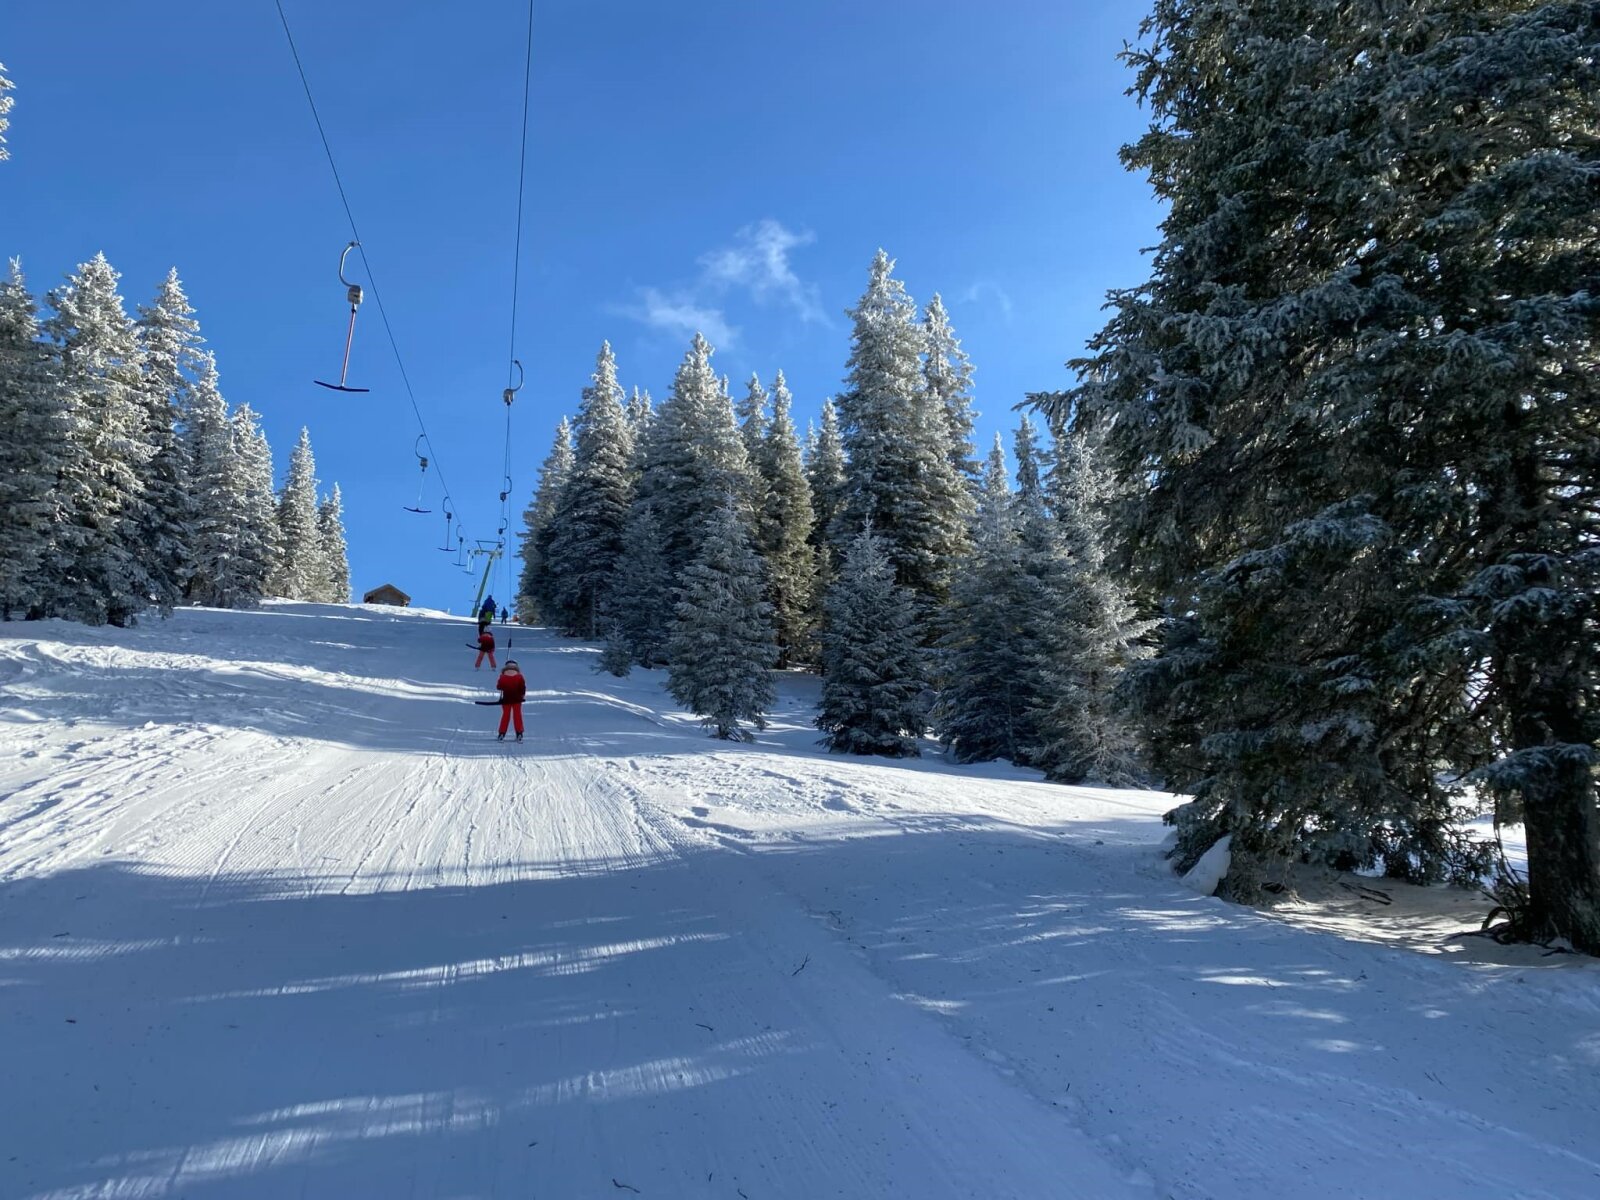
(280, 918)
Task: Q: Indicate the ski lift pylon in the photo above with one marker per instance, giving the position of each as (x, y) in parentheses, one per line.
(352, 292)
(423, 460)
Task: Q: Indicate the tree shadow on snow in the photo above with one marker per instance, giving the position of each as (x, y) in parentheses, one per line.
(263, 1035)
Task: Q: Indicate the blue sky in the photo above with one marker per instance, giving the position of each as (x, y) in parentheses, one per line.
(717, 164)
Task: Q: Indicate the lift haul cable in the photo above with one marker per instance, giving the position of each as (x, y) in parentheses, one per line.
(356, 243)
(514, 373)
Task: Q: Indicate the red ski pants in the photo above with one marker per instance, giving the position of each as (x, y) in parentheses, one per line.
(509, 713)
(481, 653)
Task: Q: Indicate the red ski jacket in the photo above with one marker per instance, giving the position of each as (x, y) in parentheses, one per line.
(513, 687)
(486, 640)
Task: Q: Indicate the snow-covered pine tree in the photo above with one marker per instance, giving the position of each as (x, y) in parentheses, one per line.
(586, 531)
(721, 649)
(694, 457)
(1223, 458)
(6, 101)
(1350, 420)
(825, 474)
(872, 662)
(1518, 446)
(995, 657)
(215, 491)
(32, 448)
(171, 339)
(641, 599)
(784, 533)
(1078, 491)
(1033, 464)
(641, 411)
(94, 572)
(331, 547)
(535, 594)
(1094, 632)
(615, 656)
(898, 474)
(259, 545)
(751, 414)
(301, 574)
(947, 376)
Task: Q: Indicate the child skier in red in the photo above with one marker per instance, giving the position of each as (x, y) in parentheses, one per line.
(513, 687)
(485, 646)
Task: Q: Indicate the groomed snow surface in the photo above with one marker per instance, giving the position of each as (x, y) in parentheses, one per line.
(280, 918)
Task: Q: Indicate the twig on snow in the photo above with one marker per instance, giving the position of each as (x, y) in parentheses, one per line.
(704, 1026)
(1367, 893)
(626, 1187)
(801, 967)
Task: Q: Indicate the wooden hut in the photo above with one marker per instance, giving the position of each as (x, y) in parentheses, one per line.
(387, 594)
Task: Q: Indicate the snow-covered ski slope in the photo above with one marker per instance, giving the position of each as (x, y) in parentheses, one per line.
(279, 918)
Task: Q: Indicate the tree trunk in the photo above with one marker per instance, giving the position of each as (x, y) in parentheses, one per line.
(1562, 818)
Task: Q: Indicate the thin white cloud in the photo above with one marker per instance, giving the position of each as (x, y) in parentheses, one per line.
(755, 265)
(986, 287)
(680, 314)
(758, 261)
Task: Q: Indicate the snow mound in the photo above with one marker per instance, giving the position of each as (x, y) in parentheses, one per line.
(1206, 875)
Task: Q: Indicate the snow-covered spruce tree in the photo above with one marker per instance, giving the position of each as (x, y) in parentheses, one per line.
(898, 474)
(1094, 633)
(258, 548)
(586, 532)
(694, 457)
(94, 572)
(639, 410)
(1525, 425)
(331, 547)
(302, 573)
(872, 661)
(1356, 412)
(6, 101)
(947, 376)
(784, 533)
(1234, 448)
(616, 658)
(171, 339)
(1033, 464)
(214, 490)
(751, 414)
(721, 649)
(639, 606)
(32, 448)
(995, 660)
(535, 599)
(825, 474)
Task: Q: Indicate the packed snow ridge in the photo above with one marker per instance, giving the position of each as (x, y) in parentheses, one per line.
(279, 917)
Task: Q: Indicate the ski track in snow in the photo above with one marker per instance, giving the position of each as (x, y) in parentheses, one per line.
(278, 917)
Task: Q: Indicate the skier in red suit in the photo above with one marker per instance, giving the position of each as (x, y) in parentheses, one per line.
(485, 646)
(513, 687)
